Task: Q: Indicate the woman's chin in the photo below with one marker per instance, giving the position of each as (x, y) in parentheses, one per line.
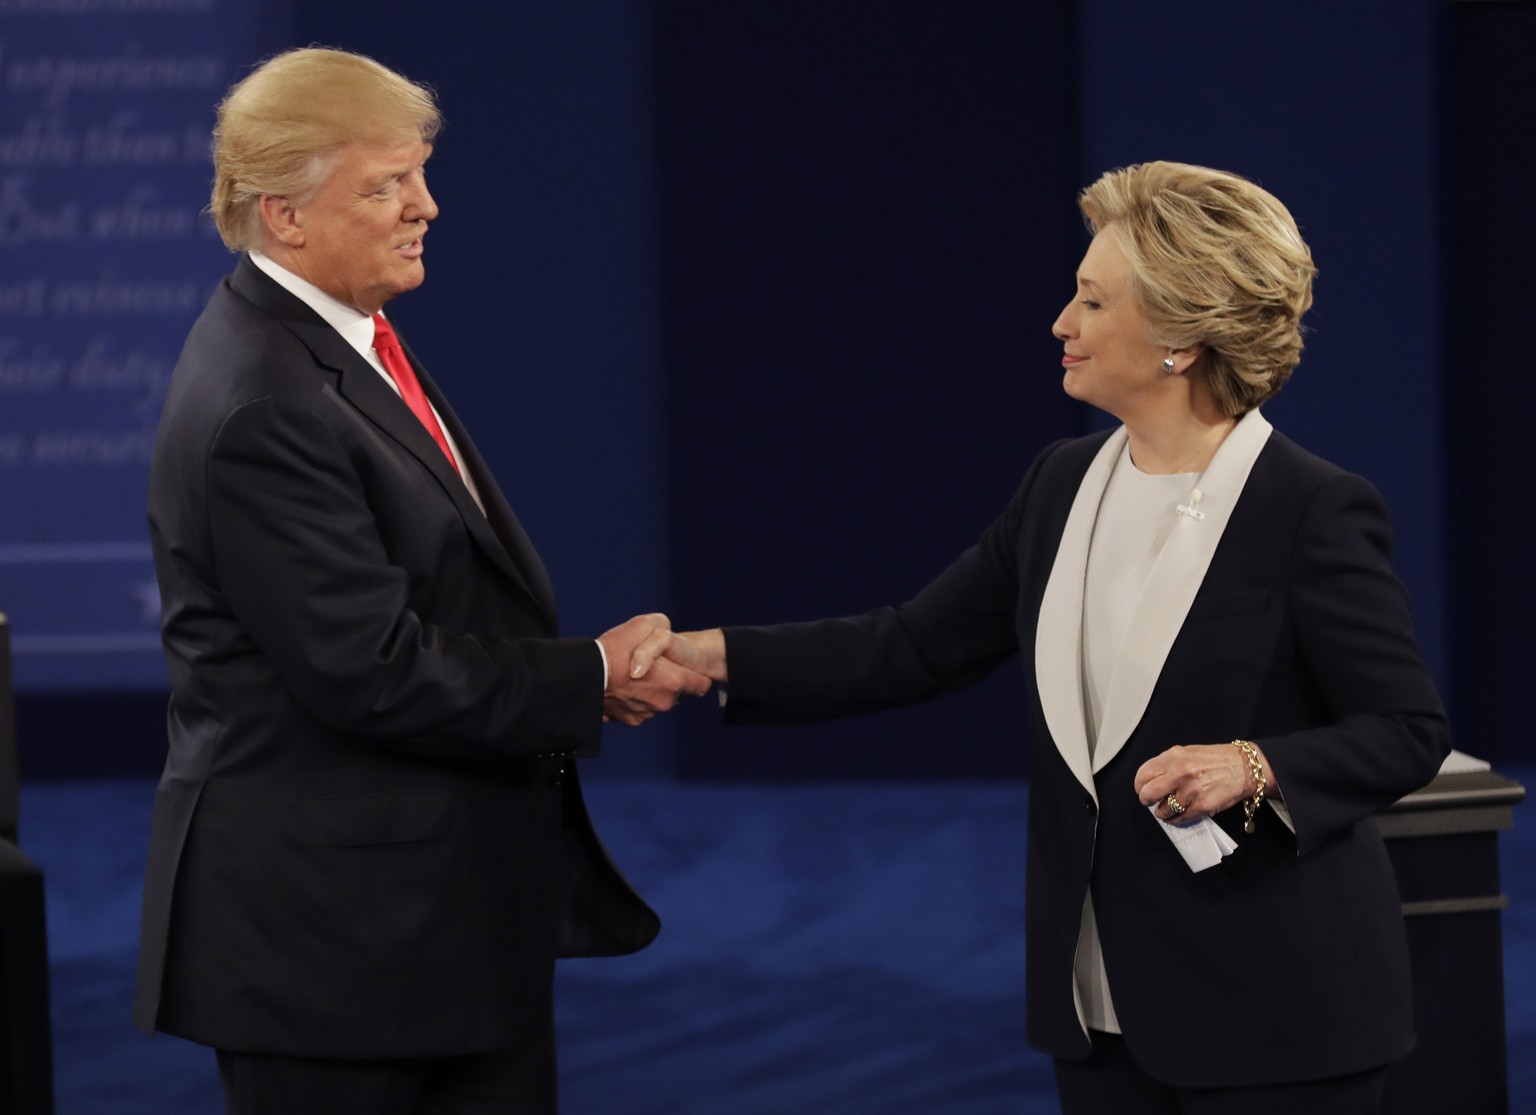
(1072, 383)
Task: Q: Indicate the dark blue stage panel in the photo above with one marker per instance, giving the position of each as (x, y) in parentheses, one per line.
(105, 113)
(868, 228)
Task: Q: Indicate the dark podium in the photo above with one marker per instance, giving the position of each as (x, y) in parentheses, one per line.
(1443, 841)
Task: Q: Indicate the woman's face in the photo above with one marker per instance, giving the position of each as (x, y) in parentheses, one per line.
(1109, 361)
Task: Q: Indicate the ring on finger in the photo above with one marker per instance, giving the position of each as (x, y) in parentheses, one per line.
(1173, 805)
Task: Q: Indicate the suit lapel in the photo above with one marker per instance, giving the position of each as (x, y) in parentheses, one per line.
(365, 390)
(1059, 628)
(498, 518)
(1172, 584)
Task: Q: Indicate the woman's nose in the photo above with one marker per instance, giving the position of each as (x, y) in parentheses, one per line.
(1064, 325)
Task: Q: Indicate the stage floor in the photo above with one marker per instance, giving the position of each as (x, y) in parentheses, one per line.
(827, 949)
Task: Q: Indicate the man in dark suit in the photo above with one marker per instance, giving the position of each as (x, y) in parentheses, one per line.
(369, 844)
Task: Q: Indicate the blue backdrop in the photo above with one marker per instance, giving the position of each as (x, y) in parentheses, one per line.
(104, 121)
(773, 282)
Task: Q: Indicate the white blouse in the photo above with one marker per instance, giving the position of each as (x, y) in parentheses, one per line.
(1135, 517)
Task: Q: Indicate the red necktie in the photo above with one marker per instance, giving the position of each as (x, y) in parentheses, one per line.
(392, 356)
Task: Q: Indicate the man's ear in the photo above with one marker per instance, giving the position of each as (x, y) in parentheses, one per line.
(282, 220)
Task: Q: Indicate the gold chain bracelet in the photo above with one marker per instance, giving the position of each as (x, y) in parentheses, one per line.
(1251, 805)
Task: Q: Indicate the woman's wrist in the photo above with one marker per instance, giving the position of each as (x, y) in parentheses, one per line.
(1258, 781)
(709, 645)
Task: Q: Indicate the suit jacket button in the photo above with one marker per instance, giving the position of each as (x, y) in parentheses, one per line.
(1089, 807)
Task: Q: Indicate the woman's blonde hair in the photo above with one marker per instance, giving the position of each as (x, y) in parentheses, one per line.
(1215, 261)
(277, 127)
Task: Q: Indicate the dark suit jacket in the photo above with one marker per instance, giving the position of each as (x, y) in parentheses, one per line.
(368, 840)
(1288, 960)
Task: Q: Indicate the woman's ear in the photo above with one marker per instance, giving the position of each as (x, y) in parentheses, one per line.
(1183, 359)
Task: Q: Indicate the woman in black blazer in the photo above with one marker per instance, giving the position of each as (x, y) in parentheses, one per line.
(1223, 680)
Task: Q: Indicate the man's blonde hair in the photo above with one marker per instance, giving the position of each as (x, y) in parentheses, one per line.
(278, 127)
(1215, 261)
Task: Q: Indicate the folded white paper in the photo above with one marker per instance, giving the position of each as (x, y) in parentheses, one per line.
(1202, 844)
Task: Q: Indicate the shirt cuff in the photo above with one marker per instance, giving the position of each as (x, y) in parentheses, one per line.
(1282, 812)
(603, 654)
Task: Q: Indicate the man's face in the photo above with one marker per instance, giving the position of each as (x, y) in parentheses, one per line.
(361, 232)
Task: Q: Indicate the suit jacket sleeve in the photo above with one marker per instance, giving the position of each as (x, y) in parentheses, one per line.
(303, 566)
(1381, 731)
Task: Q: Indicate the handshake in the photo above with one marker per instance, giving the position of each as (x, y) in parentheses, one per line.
(651, 667)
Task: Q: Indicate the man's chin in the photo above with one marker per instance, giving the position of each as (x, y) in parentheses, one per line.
(407, 280)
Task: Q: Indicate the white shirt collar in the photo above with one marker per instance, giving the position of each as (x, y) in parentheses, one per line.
(355, 327)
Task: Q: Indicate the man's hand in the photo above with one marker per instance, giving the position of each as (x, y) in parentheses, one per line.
(703, 652)
(633, 698)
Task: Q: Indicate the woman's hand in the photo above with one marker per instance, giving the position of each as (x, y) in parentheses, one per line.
(700, 651)
(1196, 781)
